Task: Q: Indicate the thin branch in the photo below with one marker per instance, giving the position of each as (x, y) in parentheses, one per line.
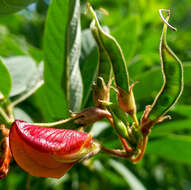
(143, 148)
(119, 153)
(54, 124)
(25, 96)
(4, 117)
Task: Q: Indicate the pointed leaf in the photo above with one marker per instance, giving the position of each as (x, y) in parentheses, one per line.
(74, 49)
(129, 177)
(63, 85)
(88, 55)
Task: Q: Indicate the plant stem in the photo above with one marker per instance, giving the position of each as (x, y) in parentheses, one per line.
(56, 124)
(125, 145)
(4, 119)
(143, 148)
(135, 120)
(119, 153)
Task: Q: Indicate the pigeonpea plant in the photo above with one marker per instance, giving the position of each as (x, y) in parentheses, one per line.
(51, 149)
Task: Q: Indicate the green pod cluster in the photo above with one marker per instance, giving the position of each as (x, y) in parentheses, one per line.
(172, 71)
(132, 134)
(11, 6)
(114, 52)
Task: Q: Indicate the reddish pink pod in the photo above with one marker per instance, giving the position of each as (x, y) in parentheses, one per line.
(48, 152)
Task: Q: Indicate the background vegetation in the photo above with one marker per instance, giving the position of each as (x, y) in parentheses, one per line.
(137, 26)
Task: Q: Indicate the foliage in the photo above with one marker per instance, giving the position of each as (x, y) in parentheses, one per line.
(25, 43)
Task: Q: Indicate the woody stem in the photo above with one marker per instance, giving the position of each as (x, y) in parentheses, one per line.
(143, 148)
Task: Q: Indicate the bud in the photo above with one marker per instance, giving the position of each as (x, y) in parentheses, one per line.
(100, 92)
(126, 101)
(120, 127)
(120, 121)
(49, 152)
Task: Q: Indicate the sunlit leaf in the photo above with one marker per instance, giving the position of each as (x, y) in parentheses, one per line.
(24, 73)
(63, 84)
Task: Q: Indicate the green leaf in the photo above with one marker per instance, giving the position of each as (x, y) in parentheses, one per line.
(24, 73)
(129, 177)
(73, 52)
(170, 127)
(181, 121)
(11, 6)
(32, 86)
(11, 45)
(88, 55)
(5, 81)
(182, 110)
(145, 90)
(63, 84)
(21, 114)
(127, 33)
(108, 174)
(98, 128)
(173, 147)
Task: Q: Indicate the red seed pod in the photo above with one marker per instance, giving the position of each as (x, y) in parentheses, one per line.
(48, 152)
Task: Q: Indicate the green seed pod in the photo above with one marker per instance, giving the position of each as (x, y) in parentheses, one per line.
(101, 88)
(172, 71)
(115, 54)
(119, 126)
(104, 65)
(114, 108)
(120, 119)
(11, 6)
